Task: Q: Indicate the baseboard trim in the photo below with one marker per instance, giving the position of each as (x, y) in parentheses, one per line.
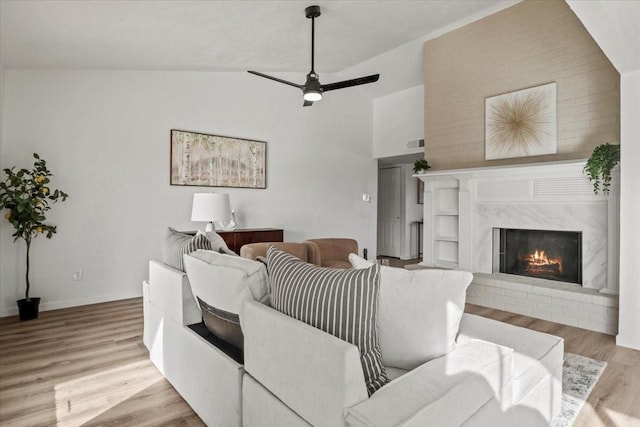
(55, 305)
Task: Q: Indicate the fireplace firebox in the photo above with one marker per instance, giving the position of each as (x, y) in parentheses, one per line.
(546, 254)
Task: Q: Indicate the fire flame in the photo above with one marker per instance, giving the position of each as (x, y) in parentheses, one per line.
(539, 258)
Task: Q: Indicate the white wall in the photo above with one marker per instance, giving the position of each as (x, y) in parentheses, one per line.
(105, 136)
(614, 26)
(629, 317)
(397, 119)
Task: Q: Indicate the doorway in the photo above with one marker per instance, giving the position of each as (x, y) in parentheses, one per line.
(399, 209)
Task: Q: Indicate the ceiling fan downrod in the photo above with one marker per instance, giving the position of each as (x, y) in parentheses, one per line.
(312, 12)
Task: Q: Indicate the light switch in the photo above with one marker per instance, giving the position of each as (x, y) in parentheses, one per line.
(366, 197)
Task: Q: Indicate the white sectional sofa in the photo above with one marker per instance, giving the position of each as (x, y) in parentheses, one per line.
(296, 375)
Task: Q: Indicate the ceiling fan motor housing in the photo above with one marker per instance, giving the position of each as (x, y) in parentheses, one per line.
(312, 12)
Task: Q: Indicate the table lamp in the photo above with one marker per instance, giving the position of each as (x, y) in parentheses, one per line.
(211, 207)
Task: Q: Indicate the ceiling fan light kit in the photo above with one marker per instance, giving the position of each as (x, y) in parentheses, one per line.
(312, 89)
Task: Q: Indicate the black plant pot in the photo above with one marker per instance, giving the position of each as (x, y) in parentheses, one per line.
(28, 309)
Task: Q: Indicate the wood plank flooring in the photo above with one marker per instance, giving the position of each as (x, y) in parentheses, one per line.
(84, 366)
(87, 366)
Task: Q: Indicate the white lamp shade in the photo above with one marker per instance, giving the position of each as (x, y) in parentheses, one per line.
(211, 207)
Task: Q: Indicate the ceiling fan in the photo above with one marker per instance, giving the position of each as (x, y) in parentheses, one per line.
(312, 89)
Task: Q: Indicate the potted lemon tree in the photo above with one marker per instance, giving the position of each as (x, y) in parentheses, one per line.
(27, 197)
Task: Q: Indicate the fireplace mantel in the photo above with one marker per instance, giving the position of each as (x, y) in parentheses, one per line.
(555, 167)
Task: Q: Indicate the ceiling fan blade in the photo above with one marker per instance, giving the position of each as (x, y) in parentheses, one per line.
(352, 82)
(276, 79)
(307, 103)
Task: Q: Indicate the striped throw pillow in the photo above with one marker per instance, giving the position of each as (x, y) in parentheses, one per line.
(177, 244)
(343, 303)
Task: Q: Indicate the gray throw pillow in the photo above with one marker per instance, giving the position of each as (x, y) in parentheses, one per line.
(223, 324)
(177, 244)
(343, 303)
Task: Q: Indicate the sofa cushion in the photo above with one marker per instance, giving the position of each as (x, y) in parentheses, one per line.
(419, 312)
(221, 283)
(176, 245)
(536, 354)
(343, 303)
(446, 391)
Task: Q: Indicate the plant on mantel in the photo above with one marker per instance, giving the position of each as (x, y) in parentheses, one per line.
(420, 166)
(605, 157)
(27, 197)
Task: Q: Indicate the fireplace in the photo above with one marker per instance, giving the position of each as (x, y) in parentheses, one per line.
(545, 254)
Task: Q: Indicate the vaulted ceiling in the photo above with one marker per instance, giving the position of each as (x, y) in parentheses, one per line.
(217, 35)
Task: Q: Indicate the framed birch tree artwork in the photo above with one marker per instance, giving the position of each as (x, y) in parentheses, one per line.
(199, 159)
(521, 123)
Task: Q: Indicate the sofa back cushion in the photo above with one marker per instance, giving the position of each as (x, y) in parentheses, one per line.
(176, 244)
(343, 303)
(419, 312)
(334, 252)
(221, 283)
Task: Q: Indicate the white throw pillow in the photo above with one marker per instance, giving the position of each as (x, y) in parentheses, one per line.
(226, 281)
(419, 312)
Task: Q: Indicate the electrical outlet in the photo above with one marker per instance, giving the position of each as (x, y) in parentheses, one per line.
(366, 197)
(77, 275)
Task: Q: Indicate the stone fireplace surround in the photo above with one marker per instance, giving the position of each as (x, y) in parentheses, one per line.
(462, 207)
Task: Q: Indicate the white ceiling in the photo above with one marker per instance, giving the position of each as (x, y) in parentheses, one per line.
(205, 35)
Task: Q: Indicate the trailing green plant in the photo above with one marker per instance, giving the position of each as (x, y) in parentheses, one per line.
(27, 197)
(598, 168)
(421, 165)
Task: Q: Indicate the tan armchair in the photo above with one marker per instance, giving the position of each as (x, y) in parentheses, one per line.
(334, 252)
(305, 251)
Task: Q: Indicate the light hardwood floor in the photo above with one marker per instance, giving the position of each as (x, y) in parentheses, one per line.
(87, 366)
(84, 366)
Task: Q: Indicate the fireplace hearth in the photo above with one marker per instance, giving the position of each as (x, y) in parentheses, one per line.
(545, 254)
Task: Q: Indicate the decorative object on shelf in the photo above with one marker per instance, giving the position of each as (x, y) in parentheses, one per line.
(204, 160)
(604, 158)
(521, 123)
(27, 197)
(420, 166)
(211, 207)
(312, 89)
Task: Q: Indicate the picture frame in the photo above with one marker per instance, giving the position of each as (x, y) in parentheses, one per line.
(205, 160)
(521, 123)
(420, 191)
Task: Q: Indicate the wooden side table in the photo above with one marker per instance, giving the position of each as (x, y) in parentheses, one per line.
(237, 238)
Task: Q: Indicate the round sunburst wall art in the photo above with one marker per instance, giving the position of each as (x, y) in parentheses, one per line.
(521, 123)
